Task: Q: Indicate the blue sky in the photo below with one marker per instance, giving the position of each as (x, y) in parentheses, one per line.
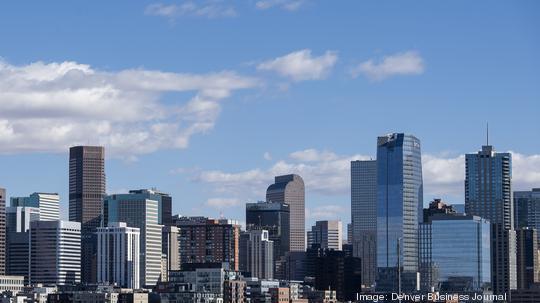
(208, 100)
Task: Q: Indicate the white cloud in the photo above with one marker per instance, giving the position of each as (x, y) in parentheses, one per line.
(50, 106)
(328, 174)
(221, 203)
(267, 156)
(206, 9)
(289, 5)
(407, 63)
(301, 65)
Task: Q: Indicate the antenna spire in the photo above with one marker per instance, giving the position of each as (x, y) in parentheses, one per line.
(487, 133)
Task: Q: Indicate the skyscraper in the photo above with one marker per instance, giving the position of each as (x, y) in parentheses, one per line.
(326, 234)
(55, 252)
(2, 231)
(205, 240)
(48, 204)
(488, 180)
(170, 248)
(139, 210)
(364, 217)
(257, 256)
(18, 221)
(290, 189)
(399, 207)
(118, 255)
(86, 193)
(527, 209)
(164, 204)
(273, 217)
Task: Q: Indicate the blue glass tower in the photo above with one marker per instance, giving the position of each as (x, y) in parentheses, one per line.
(399, 204)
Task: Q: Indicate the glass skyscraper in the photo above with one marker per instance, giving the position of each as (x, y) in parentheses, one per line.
(399, 205)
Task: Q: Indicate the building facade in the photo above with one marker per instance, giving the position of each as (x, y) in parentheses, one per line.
(118, 255)
(326, 234)
(455, 253)
(205, 240)
(364, 217)
(170, 248)
(399, 207)
(86, 193)
(18, 221)
(488, 180)
(527, 258)
(47, 203)
(139, 210)
(2, 231)
(55, 252)
(257, 254)
(527, 209)
(290, 189)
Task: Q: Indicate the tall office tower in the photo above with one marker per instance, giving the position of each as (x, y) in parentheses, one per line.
(257, 254)
(326, 234)
(290, 189)
(17, 249)
(118, 255)
(164, 204)
(488, 180)
(273, 217)
(364, 217)
(204, 240)
(170, 248)
(139, 210)
(86, 193)
(2, 231)
(349, 234)
(48, 204)
(399, 209)
(455, 253)
(437, 206)
(527, 209)
(55, 252)
(528, 262)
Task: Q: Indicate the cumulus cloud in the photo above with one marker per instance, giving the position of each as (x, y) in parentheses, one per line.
(289, 5)
(327, 212)
(406, 63)
(301, 65)
(328, 174)
(208, 9)
(47, 107)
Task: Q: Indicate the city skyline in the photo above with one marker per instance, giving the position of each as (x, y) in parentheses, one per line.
(222, 81)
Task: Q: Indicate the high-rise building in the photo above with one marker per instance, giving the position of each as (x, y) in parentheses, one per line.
(17, 250)
(326, 234)
(364, 217)
(455, 253)
(2, 231)
(86, 193)
(437, 206)
(139, 210)
(257, 254)
(399, 208)
(205, 240)
(55, 252)
(47, 203)
(118, 255)
(164, 204)
(528, 258)
(488, 180)
(170, 248)
(290, 189)
(273, 217)
(527, 209)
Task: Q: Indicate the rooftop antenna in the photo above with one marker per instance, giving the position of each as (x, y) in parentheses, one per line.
(487, 133)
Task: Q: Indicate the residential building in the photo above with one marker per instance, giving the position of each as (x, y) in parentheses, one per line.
(205, 240)
(257, 254)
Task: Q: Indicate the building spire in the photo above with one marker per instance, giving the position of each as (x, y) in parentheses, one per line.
(487, 133)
